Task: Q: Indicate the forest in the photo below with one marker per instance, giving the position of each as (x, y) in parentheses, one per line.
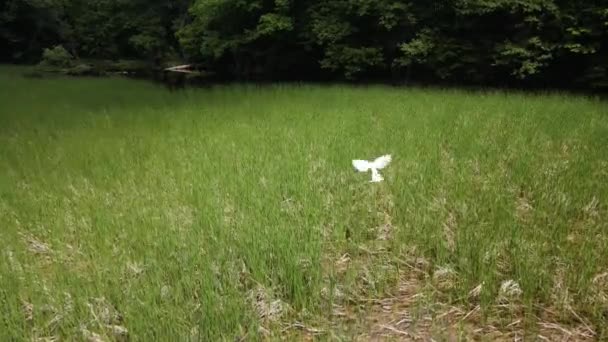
(561, 43)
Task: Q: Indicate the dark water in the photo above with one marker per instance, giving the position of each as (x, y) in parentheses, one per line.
(175, 80)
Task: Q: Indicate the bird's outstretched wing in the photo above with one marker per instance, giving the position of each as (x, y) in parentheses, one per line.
(381, 162)
(361, 165)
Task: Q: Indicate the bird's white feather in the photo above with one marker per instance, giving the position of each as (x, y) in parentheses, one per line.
(361, 165)
(376, 176)
(378, 164)
(381, 162)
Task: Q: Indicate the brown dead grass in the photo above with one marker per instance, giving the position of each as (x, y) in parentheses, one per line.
(406, 315)
(414, 311)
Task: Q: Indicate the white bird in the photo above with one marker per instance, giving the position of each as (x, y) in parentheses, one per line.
(378, 164)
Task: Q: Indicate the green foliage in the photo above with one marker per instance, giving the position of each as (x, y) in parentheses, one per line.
(480, 41)
(57, 56)
(250, 34)
(357, 37)
(524, 60)
(82, 70)
(351, 61)
(96, 28)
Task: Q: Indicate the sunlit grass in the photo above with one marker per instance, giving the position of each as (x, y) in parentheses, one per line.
(209, 213)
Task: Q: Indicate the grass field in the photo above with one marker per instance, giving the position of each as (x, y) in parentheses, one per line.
(233, 212)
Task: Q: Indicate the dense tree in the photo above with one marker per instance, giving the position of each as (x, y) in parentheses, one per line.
(248, 38)
(26, 27)
(533, 42)
(91, 28)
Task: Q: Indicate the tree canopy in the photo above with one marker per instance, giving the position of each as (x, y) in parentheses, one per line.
(558, 42)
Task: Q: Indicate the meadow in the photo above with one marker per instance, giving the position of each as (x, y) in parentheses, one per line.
(129, 212)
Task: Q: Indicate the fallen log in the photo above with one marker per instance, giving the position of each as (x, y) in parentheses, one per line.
(180, 68)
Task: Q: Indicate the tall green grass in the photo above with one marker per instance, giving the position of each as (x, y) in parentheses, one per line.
(207, 213)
